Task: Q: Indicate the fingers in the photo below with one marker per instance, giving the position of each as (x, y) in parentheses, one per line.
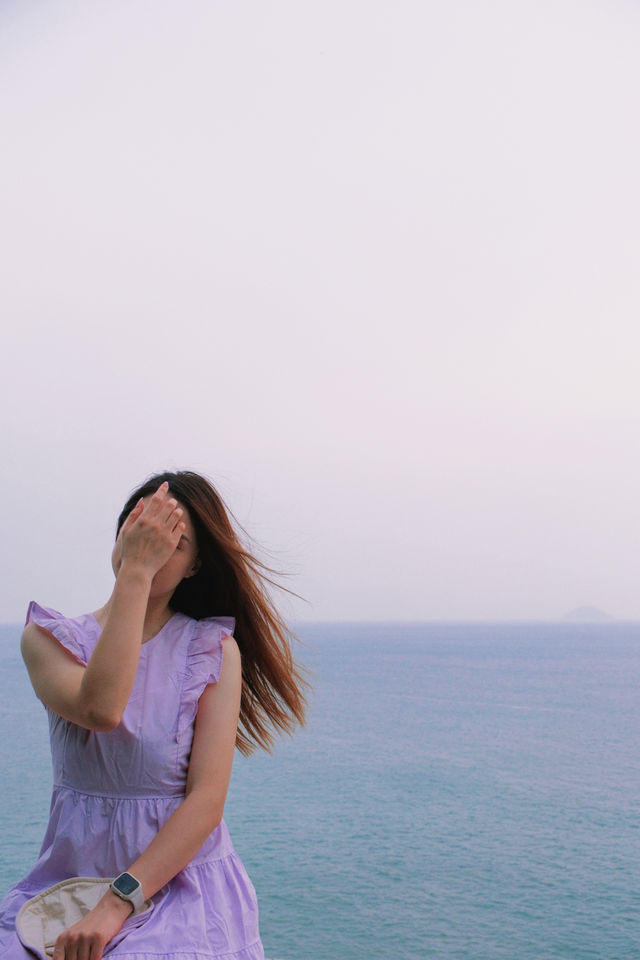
(78, 947)
(164, 507)
(133, 516)
(152, 532)
(60, 949)
(96, 952)
(171, 515)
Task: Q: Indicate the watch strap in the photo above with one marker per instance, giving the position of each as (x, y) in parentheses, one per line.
(135, 897)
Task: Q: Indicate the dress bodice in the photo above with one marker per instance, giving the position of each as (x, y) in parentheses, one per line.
(147, 755)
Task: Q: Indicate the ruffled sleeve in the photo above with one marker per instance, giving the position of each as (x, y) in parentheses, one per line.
(204, 656)
(203, 664)
(59, 627)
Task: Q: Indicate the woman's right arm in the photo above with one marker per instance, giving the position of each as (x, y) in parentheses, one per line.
(95, 696)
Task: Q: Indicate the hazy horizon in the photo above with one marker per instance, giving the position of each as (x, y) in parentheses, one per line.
(370, 267)
(603, 619)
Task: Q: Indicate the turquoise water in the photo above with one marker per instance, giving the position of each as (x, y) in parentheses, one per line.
(467, 792)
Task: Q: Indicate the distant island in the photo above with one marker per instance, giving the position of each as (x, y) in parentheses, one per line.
(588, 615)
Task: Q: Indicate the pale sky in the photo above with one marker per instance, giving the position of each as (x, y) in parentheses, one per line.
(372, 267)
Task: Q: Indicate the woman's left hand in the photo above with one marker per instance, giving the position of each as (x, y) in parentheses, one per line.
(87, 938)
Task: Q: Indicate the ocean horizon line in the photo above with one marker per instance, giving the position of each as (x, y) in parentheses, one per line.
(435, 621)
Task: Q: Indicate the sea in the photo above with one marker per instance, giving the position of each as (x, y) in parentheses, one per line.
(461, 791)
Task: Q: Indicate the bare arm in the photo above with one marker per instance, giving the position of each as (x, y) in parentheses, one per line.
(95, 696)
(177, 842)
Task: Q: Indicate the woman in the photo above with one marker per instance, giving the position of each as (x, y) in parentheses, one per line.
(147, 698)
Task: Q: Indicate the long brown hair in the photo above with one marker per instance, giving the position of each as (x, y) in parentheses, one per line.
(232, 582)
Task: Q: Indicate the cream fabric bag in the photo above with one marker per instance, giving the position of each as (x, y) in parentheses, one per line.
(42, 919)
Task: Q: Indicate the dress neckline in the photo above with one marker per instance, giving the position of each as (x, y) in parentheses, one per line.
(145, 643)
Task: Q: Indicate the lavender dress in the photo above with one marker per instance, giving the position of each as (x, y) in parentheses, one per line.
(113, 791)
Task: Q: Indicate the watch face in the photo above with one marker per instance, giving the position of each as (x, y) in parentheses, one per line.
(126, 884)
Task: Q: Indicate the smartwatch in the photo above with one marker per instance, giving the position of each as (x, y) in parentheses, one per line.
(128, 888)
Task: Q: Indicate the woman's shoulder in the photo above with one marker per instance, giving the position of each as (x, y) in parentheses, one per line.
(209, 625)
(204, 649)
(203, 631)
(76, 634)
